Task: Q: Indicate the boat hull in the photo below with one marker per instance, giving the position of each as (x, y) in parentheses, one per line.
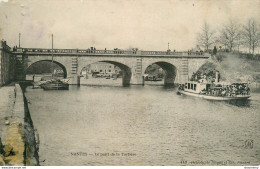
(238, 97)
(55, 86)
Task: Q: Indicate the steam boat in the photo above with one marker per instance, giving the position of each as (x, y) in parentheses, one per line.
(215, 90)
(234, 91)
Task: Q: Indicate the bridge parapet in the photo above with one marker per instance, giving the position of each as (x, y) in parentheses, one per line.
(107, 52)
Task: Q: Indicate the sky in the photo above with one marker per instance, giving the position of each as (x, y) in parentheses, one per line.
(124, 24)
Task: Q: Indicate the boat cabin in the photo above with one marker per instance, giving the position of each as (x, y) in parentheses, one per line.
(196, 87)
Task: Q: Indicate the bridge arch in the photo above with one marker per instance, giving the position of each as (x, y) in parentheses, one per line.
(169, 69)
(65, 73)
(126, 70)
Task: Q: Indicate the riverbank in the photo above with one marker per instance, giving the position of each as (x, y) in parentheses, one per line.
(17, 143)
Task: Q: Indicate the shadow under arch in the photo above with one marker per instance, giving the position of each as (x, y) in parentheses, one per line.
(170, 72)
(126, 71)
(59, 64)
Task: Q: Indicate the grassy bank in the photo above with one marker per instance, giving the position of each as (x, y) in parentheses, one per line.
(233, 68)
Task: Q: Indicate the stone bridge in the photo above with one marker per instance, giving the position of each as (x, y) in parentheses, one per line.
(177, 65)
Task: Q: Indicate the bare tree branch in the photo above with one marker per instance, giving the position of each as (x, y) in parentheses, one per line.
(251, 35)
(229, 35)
(206, 37)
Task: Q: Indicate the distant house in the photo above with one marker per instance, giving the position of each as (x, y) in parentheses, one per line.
(58, 72)
(84, 72)
(101, 67)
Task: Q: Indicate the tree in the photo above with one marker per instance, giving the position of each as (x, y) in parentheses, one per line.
(251, 35)
(239, 42)
(207, 37)
(229, 35)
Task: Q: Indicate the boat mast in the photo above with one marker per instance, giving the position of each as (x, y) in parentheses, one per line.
(52, 55)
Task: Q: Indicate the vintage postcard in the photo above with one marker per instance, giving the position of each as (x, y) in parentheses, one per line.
(129, 83)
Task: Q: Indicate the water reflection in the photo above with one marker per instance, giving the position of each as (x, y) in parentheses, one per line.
(240, 103)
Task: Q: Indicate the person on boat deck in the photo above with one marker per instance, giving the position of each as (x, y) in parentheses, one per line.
(217, 92)
(248, 90)
(240, 87)
(223, 93)
(233, 91)
(181, 86)
(211, 92)
(220, 91)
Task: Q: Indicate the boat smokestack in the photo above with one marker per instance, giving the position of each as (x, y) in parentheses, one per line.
(217, 77)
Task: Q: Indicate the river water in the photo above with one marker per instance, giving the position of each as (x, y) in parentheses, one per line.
(143, 125)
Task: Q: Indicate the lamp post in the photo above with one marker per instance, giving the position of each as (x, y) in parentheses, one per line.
(19, 39)
(52, 55)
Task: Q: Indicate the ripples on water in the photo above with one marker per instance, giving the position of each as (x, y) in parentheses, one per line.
(153, 122)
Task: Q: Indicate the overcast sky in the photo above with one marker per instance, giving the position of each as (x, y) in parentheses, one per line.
(145, 24)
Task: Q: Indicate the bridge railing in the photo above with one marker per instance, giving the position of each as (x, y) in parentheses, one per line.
(45, 50)
(107, 51)
(117, 52)
(161, 53)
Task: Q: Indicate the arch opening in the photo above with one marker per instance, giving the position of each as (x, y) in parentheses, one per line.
(43, 69)
(106, 73)
(161, 71)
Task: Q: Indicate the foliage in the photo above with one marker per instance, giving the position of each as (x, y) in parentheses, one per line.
(206, 38)
(251, 35)
(42, 67)
(229, 35)
(154, 69)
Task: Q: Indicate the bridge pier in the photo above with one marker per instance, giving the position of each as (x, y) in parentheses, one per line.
(169, 79)
(137, 80)
(137, 77)
(74, 80)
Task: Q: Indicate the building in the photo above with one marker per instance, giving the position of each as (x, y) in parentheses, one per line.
(7, 64)
(101, 67)
(58, 72)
